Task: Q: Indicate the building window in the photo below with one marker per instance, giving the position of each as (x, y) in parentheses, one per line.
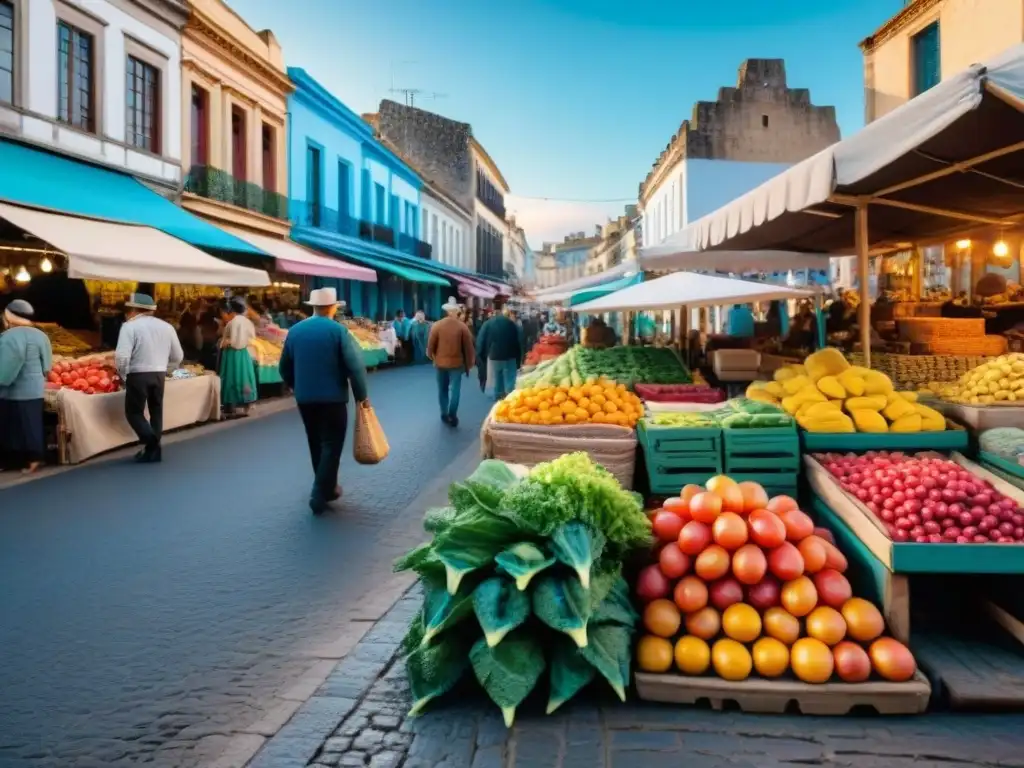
(75, 95)
(6, 52)
(396, 216)
(927, 58)
(313, 187)
(239, 165)
(344, 189)
(425, 229)
(142, 112)
(764, 121)
(200, 126)
(364, 194)
(269, 138)
(379, 201)
(434, 238)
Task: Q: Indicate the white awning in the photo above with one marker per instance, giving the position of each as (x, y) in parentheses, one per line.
(689, 289)
(678, 253)
(570, 286)
(948, 158)
(297, 260)
(103, 250)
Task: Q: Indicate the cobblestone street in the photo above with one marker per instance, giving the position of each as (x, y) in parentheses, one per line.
(155, 613)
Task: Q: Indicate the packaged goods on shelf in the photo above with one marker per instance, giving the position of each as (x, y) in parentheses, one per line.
(63, 341)
(928, 329)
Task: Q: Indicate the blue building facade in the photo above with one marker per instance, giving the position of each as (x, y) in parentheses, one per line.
(352, 197)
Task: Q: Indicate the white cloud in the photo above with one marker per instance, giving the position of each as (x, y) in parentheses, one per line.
(551, 220)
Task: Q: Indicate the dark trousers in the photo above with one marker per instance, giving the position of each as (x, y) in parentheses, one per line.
(140, 390)
(325, 425)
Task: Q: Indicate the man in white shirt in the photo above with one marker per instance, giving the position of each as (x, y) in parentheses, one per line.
(147, 348)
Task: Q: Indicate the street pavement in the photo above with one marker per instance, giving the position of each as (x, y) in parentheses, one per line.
(150, 614)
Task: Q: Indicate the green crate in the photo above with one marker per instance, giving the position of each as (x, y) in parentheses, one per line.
(951, 440)
(770, 450)
(670, 483)
(1005, 466)
(669, 440)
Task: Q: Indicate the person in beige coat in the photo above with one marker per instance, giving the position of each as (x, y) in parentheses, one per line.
(450, 347)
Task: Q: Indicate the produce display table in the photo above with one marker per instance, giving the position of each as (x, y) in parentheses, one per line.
(980, 418)
(93, 424)
(955, 438)
(389, 340)
(268, 374)
(374, 357)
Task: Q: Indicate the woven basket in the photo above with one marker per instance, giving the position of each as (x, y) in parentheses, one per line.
(925, 329)
(370, 446)
(989, 346)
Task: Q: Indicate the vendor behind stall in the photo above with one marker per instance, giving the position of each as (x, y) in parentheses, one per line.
(803, 328)
(740, 322)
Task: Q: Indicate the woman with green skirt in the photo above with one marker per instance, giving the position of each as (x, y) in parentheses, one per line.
(237, 372)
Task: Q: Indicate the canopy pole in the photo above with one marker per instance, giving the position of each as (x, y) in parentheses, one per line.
(861, 238)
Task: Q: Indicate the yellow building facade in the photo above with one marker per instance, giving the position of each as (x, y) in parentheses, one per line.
(234, 134)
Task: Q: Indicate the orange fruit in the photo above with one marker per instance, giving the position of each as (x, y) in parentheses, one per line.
(654, 654)
(811, 660)
(892, 659)
(741, 622)
(782, 625)
(799, 596)
(662, 618)
(864, 621)
(826, 624)
(771, 657)
(692, 655)
(732, 660)
(704, 623)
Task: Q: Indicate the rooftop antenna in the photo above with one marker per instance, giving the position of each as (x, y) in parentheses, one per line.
(411, 94)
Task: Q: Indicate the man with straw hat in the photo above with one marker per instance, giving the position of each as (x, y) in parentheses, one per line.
(450, 347)
(147, 348)
(319, 363)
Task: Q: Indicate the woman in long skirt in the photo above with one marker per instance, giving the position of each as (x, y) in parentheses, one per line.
(238, 388)
(419, 334)
(25, 360)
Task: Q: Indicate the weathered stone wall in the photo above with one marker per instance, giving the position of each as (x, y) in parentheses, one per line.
(760, 120)
(438, 147)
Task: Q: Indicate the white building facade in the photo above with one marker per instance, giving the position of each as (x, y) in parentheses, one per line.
(446, 226)
(489, 224)
(98, 80)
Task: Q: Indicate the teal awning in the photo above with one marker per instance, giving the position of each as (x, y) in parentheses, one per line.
(599, 291)
(328, 243)
(59, 184)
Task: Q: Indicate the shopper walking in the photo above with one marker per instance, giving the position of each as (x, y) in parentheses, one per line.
(25, 360)
(320, 362)
(238, 388)
(403, 326)
(147, 348)
(419, 333)
(498, 344)
(450, 347)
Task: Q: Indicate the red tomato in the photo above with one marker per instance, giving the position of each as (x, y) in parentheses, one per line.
(705, 507)
(812, 549)
(672, 561)
(749, 564)
(689, 491)
(712, 563)
(691, 594)
(678, 506)
(729, 530)
(725, 592)
(766, 529)
(667, 525)
(835, 559)
(754, 496)
(798, 525)
(694, 538)
(786, 562)
(832, 587)
(781, 504)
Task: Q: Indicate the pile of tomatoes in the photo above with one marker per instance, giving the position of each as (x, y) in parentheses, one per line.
(89, 377)
(745, 584)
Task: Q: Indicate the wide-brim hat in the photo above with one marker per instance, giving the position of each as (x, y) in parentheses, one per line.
(20, 308)
(452, 305)
(324, 297)
(141, 301)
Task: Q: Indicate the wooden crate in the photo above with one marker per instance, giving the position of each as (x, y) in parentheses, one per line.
(756, 695)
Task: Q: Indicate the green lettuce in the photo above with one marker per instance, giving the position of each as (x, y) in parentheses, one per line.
(499, 608)
(570, 673)
(608, 650)
(563, 604)
(523, 561)
(442, 610)
(434, 669)
(578, 546)
(510, 670)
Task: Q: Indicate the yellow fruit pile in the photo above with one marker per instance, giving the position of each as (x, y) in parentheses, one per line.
(600, 402)
(827, 394)
(1000, 380)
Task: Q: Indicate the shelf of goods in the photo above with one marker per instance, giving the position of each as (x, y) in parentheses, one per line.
(548, 347)
(950, 336)
(1001, 451)
(366, 335)
(751, 441)
(745, 601)
(541, 423)
(523, 587)
(64, 343)
(624, 365)
(843, 407)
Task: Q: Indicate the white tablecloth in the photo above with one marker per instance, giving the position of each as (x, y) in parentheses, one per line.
(388, 340)
(95, 423)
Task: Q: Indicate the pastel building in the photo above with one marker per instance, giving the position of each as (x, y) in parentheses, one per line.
(353, 197)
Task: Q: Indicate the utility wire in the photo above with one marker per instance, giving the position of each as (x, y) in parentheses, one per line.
(574, 200)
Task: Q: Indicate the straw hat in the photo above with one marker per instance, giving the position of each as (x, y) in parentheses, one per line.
(323, 297)
(141, 301)
(452, 305)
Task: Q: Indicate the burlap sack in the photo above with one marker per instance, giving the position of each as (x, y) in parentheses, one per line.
(613, 447)
(370, 446)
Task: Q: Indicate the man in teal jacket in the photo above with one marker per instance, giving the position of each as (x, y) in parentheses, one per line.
(498, 344)
(319, 362)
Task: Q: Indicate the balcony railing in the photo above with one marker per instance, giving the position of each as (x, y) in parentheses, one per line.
(495, 206)
(215, 184)
(306, 214)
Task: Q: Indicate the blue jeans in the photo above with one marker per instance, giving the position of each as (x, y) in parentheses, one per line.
(502, 375)
(449, 379)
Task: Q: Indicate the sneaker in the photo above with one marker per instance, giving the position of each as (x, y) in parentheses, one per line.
(453, 421)
(446, 419)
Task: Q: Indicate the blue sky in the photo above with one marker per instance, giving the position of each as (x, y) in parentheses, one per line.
(574, 99)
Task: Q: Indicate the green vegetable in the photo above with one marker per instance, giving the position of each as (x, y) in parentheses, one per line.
(434, 669)
(500, 608)
(570, 673)
(442, 610)
(563, 604)
(484, 488)
(1006, 442)
(523, 561)
(608, 650)
(616, 607)
(436, 520)
(578, 546)
(509, 671)
(472, 542)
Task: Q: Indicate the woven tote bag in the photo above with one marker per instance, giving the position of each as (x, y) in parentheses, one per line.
(370, 445)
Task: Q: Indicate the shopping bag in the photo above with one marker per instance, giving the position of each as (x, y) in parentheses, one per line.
(370, 445)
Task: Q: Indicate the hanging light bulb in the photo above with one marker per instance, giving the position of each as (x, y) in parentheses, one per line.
(22, 276)
(1001, 249)
(963, 245)
(46, 265)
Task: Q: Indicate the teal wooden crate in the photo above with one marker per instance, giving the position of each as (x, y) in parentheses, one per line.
(1005, 466)
(951, 440)
(771, 450)
(664, 440)
(668, 482)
